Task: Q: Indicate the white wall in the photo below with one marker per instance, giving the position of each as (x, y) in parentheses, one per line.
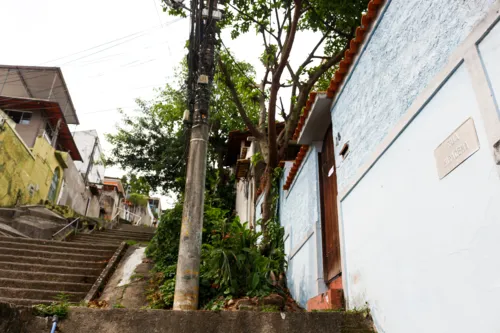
(409, 47)
(423, 252)
(85, 141)
(300, 216)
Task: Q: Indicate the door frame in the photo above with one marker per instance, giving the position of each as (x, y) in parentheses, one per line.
(336, 217)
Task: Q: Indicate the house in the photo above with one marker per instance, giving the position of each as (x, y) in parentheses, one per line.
(244, 157)
(155, 207)
(36, 143)
(83, 180)
(400, 161)
(112, 199)
(240, 150)
(40, 154)
(92, 166)
(116, 202)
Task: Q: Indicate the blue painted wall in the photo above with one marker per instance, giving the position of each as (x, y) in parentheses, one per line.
(300, 215)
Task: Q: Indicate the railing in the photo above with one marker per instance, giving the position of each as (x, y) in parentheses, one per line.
(130, 213)
(77, 220)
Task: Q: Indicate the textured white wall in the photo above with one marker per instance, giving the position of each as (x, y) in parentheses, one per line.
(85, 141)
(301, 217)
(408, 48)
(423, 252)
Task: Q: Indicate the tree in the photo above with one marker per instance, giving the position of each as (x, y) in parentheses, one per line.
(137, 185)
(154, 142)
(278, 22)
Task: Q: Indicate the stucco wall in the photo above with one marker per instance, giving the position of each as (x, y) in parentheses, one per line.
(300, 216)
(85, 141)
(422, 251)
(23, 175)
(408, 48)
(74, 193)
(30, 132)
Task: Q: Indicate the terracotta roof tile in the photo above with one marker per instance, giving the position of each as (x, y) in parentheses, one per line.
(339, 76)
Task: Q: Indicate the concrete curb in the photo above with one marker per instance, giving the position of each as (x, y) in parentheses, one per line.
(106, 273)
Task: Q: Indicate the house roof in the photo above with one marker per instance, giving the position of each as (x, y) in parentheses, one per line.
(114, 182)
(335, 84)
(234, 143)
(36, 82)
(54, 112)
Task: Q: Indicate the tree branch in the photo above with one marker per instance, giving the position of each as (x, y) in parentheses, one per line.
(273, 153)
(237, 101)
(263, 27)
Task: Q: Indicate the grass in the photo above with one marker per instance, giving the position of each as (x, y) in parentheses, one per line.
(118, 306)
(137, 277)
(59, 308)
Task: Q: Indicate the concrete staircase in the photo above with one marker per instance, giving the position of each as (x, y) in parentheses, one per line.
(35, 271)
(116, 236)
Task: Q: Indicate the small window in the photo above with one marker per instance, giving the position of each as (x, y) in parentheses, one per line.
(49, 131)
(19, 117)
(26, 118)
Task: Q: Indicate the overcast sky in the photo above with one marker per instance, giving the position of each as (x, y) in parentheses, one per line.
(110, 51)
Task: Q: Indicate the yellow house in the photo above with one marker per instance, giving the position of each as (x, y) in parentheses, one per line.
(30, 174)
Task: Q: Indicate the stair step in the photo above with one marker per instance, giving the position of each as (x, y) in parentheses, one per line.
(40, 294)
(128, 227)
(53, 262)
(48, 248)
(113, 237)
(25, 302)
(45, 285)
(56, 243)
(47, 276)
(90, 240)
(52, 255)
(127, 233)
(26, 267)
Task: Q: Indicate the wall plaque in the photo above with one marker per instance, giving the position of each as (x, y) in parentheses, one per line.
(458, 147)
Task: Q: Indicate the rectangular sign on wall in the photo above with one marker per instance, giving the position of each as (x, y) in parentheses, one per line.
(458, 147)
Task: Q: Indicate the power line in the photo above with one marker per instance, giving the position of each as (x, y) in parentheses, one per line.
(141, 33)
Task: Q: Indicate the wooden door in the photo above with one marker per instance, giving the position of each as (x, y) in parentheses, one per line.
(329, 212)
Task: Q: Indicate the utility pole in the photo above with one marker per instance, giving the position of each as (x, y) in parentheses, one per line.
(188, 265)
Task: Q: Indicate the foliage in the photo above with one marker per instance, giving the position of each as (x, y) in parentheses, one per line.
(278, 23)
(151, 143)
(232, 262)
(236, 260)
(59, 308)
(138, 199)
(137, 184)
(154, 141)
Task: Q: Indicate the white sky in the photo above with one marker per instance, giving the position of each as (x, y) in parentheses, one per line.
(102, 79)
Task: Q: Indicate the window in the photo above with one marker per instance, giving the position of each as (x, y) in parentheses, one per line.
(49, 131)
(20, 117)
(53, 185)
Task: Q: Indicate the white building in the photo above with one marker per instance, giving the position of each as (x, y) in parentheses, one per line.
(404, 216)
(92, 167)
